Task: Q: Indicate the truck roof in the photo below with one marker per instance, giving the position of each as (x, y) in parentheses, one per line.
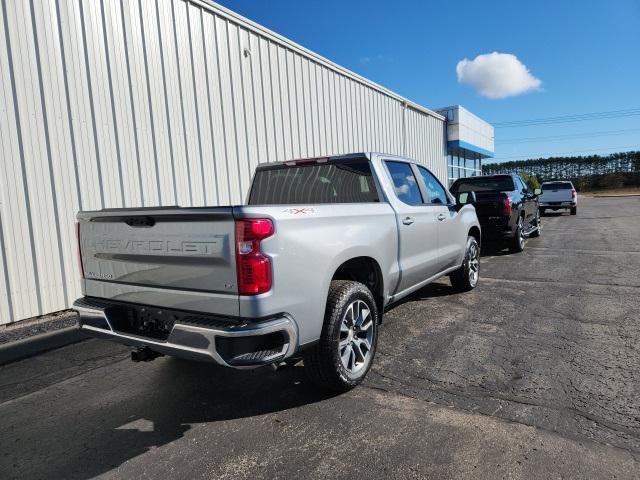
(333, 158)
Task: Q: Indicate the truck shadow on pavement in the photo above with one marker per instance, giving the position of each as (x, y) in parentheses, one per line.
(175, 397)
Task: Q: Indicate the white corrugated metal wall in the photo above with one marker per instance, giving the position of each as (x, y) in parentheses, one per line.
(138, 103)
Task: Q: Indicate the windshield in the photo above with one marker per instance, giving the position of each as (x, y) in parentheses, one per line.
(483, 184)
(557, 186)
(344, 182)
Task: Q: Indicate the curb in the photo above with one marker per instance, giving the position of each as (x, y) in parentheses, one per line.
(618, 196)
(28, 347)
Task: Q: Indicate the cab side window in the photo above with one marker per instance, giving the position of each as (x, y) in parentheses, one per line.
(405, 185)
(435, 190)
(522, 185)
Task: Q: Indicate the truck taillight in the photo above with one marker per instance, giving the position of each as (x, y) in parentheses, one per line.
(254, 268)
(79, 250)
(506, 203)
(573, 194)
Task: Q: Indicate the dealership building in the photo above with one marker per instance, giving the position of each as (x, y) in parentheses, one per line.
(129, 104)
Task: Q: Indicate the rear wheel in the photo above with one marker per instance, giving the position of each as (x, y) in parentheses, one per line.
(516, 244)
(467, 276)
(574, 210)
(349, 337)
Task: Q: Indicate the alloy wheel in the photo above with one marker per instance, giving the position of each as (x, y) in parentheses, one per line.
(356, 336)
(521, 232)
(474, 263)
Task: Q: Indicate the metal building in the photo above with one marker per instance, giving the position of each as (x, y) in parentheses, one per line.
(138, 103)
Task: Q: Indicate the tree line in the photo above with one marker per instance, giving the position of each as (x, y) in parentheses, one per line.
(593, 172)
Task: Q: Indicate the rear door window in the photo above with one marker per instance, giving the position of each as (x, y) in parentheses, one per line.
(522, 186)
(404, 183)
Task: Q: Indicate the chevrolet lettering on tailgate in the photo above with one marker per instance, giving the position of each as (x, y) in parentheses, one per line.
(152, 247)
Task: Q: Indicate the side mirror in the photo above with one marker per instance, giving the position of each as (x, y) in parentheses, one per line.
(537, 191)
(465, 198)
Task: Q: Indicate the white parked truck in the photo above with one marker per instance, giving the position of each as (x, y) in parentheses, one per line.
(558, 195)
(303, 271)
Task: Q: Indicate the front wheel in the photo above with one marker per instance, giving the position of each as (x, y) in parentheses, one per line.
(516, 244)
(467, 276)
(349, 337)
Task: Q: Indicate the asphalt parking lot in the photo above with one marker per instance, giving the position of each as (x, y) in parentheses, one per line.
(535, 374)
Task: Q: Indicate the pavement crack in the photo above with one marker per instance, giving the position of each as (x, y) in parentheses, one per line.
(609, 425)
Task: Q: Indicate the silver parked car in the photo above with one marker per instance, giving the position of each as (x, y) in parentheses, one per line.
(303, 271)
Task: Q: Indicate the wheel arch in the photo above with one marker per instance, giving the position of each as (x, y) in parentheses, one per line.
(365, 270)
(475, 233)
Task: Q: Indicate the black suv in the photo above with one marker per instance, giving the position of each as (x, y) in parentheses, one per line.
(507, 209)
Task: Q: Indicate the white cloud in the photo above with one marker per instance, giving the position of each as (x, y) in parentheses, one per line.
(497, 75)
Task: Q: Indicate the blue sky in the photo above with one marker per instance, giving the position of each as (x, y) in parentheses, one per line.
(586, 55)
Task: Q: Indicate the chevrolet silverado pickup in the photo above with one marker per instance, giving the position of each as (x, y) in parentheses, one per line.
(304, 271)
(558, 195)
(507, 208)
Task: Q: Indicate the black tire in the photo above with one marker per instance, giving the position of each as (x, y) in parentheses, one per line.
(516, 244)
(542, 211)
(574, 210)
(323, 363)
(462, 279)
(538, 225)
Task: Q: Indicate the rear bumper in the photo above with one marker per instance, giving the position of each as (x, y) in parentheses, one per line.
(569, 204)
(496, 229)
(227, 345)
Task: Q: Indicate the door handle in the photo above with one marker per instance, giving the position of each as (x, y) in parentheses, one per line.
(441, 216)
(407, 221)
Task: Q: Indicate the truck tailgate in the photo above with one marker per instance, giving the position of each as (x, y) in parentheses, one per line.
(172, 257)
(489, 204)
(552, 196)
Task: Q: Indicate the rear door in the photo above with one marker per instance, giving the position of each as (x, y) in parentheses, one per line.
(528, 200)
(417, 227)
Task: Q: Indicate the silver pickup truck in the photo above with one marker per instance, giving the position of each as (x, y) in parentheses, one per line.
(303, 271)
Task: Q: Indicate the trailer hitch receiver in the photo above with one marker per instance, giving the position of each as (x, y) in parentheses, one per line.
(144, 354)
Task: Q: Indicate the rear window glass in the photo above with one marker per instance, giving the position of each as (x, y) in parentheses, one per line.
(557, 186)
(483, 184)
(348, 182)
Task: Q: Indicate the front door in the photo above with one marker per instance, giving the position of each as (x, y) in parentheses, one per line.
(450, 236)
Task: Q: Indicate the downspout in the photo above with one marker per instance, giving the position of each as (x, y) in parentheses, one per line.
(404, 129)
